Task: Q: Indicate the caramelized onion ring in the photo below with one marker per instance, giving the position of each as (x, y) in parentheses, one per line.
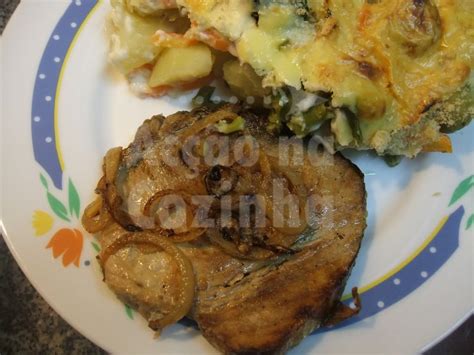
(296, 186)
(170, 122)
(186, 232)
(188, 236)
(185, 267)
(111, 163)
(206, 122)
(95, 217)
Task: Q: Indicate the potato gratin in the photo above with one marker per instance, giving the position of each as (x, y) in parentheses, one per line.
(389, 75)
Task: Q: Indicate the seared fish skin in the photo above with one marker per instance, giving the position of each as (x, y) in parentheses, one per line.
(242, 305)
(272, 309)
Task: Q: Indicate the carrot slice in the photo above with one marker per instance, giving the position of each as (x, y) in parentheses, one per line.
(443, 145)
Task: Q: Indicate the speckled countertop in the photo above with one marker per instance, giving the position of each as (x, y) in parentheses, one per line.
(8, 6)
(27, 322)
(28, 325)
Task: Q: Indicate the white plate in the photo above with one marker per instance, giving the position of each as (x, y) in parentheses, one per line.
(63, 108)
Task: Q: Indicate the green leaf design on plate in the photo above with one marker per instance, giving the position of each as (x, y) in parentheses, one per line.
(96, 247)
(43, 181)
(74, 200)
(462, 189)
(57, 207)
(470, 221)
(129, 311)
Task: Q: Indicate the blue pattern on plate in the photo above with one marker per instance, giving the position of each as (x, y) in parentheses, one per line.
(44, 95)
(414, 274)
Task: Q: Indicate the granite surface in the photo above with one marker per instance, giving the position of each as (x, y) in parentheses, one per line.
(8, 6)
(27, 322)
(28, 325)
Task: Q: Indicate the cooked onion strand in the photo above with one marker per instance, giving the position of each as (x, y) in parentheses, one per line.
(187, 280)
(95, 217)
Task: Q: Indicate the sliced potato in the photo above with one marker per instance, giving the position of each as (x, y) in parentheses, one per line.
(130, 40)
(242, 80)
(180, 65)
(341, 128)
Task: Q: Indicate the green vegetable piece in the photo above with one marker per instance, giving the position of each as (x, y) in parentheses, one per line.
(274, 123)
(310, 120)
(203, 97)
(456, 112)
(281, 106)
(456, 127)
(298, 125)
(392, 160)
(284, 43)
(237, 124)
(316, 114)
(354, 123)
(285, 101)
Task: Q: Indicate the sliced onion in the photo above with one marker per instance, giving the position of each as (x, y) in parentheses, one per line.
(95, 217)
(265, 167)
(206, 122)
(298, 187)
(170, 122)
(187, 237)
(184, 233)
(185, 267)
(111, 163)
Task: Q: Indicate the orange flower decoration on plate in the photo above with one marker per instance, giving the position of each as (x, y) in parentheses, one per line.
(66, 242)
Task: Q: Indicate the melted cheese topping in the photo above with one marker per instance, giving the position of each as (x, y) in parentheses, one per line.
(388, 61)
(230, 17)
